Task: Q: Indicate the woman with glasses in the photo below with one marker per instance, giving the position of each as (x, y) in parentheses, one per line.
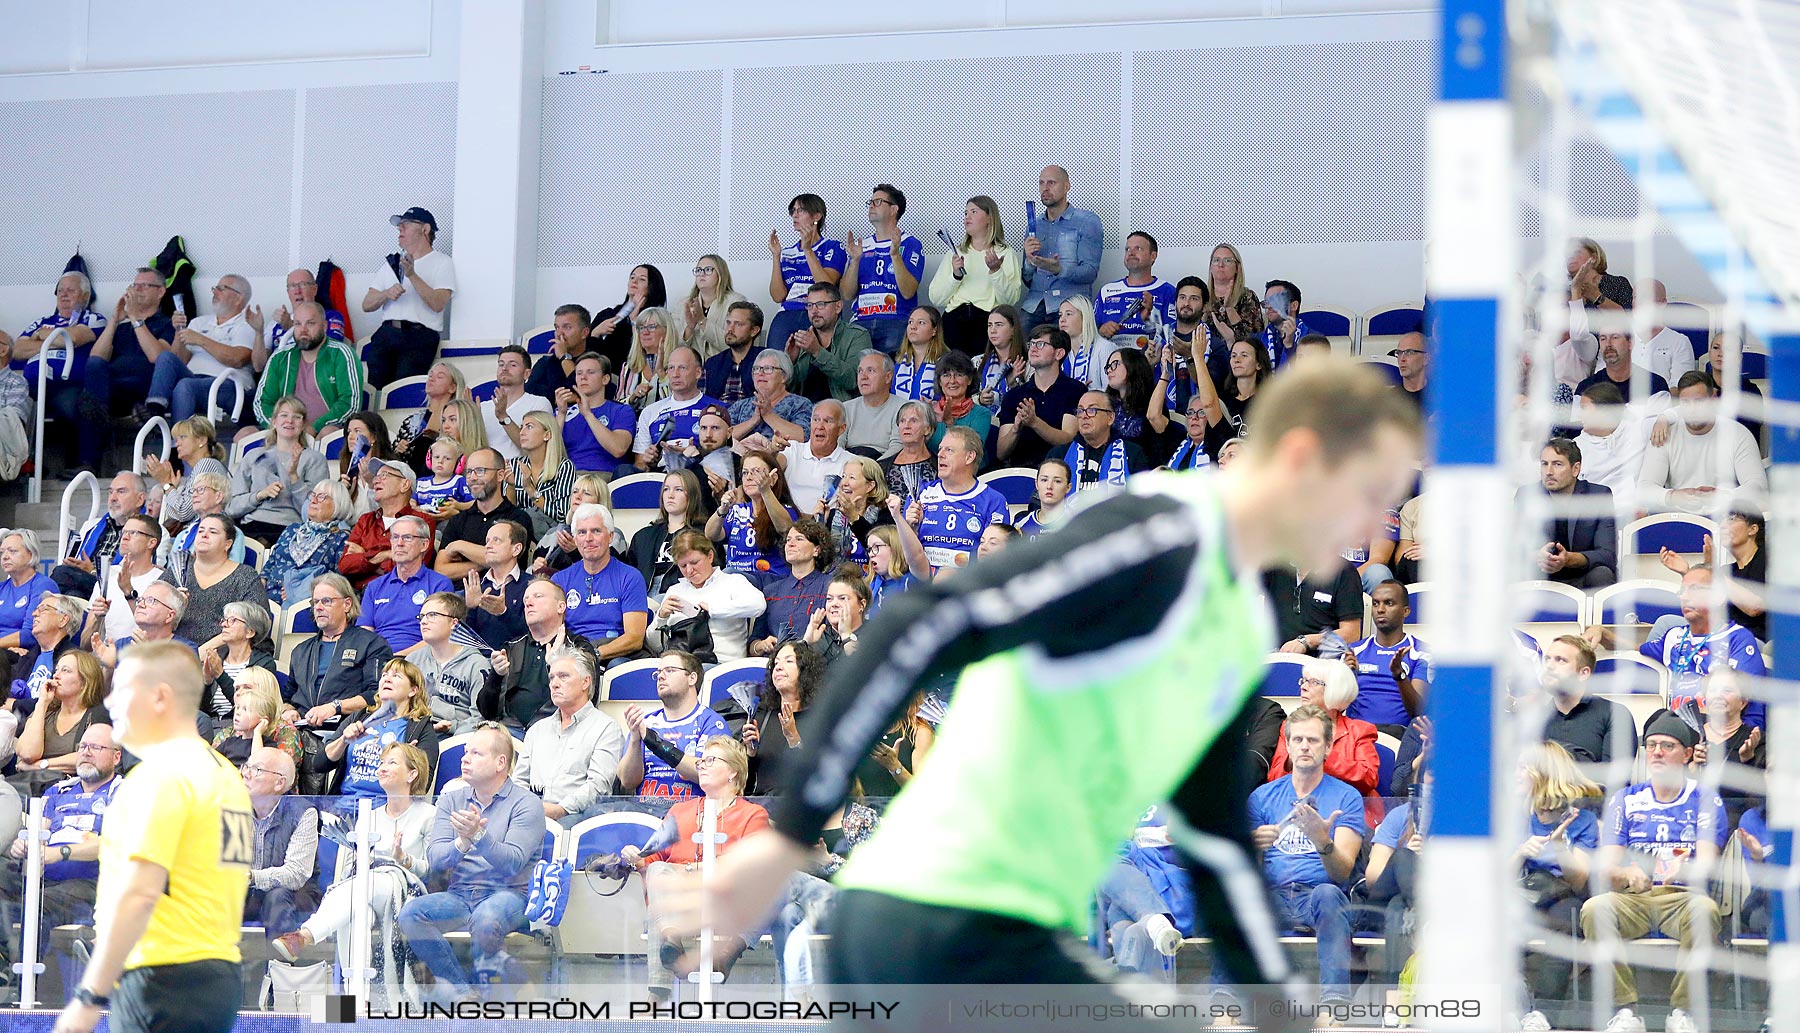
(753, 520)
(729, 600)
(209, 495)
(214, 579)
(1130, 384)
(856, 508)
(889, 572)
(1352, 758)
(975, 278)
(398, 831)
(909, 470)
(402, 714)
(309, 547)
(724, 772)
(703, 314)
(21, 588)
(256, 721)
(771, 408)
(644, 378)
(1235, 314)
(133, 570)
(611, 333)
(811, 258)
(955, 405)
(921, 347)
(412, 445)
(71, 702)
(241, 644)
(197, 451)
(268, 491)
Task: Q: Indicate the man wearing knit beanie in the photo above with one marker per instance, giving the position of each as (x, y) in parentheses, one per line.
(1657, 840)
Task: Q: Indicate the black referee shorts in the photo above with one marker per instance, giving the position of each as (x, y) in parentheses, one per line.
(199, 997)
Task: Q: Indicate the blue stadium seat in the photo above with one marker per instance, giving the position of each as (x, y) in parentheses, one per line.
(638, 491)
(1328, 321)
(722, 677)
(473, 348)
(1281, 674)
(1416, 594)
(449, 762)
(1756, 365)
(480, 392)
(1674, 531)
(1393, 320)
(538, 339)
(1547, 602)
(1691, 321)
(633, 682)
(609, 833)
(1016, 484)
(405, 393)
(1636, 602)
(1626, 671)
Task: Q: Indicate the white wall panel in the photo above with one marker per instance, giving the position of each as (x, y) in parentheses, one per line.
(131, 34)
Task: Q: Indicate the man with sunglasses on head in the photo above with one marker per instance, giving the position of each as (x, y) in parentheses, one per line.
(211, 347)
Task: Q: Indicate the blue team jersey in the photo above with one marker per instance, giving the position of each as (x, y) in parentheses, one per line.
(1377, 696)
(952, 524)
(1030, 526)
(878, 295)
(1583, 832)
(365, 757)
(1118, 302)
(916, 381)
(674, 421)
(1691, 658)
(797, 274)
(1665, 835)
(390, 606)
(758, 561)
(429, 494)
(1292, 860)
(688, 733)
(585, 451)
(1390, 531)
(17, 603)
(69, 811)
(598, 602)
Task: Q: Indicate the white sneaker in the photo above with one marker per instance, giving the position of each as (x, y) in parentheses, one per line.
(1625, 1021)
(1681, 1022)
(1534, 1022)
(1163, 935)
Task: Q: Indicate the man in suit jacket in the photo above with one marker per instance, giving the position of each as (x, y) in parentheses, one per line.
(1582, 550)
(518, 688)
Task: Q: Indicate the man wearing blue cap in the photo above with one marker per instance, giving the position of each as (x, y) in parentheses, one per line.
(410, 293)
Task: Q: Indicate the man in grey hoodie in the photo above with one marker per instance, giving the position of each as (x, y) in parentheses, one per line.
(453, 668)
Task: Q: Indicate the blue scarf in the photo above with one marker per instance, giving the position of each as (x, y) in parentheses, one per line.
(1112, 464)
(1189, 456)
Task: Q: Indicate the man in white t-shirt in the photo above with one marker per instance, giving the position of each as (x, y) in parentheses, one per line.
(872, 418)
(1668, 353)
(812, 465)
(410, 293)
(1612, 440)
(1689, 472)
(511, 401)
(209, 347)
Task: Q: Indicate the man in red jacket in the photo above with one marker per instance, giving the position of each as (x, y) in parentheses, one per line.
(368, 554)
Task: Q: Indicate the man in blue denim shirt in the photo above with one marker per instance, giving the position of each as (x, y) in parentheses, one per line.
(1062, 258)
(484, 841)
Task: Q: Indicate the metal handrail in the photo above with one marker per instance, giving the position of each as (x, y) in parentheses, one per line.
(96, 503)
(137, 448)
(35, 493)
(212, 400)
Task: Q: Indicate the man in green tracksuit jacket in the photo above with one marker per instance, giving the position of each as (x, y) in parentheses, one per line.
(317, 368)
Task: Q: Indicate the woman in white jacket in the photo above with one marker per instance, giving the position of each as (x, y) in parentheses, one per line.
(730, 601)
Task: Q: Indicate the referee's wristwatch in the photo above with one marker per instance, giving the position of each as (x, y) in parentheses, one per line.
(91, 999)
(65, 851)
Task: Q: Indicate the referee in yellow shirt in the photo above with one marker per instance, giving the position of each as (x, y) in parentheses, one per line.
(174, 863)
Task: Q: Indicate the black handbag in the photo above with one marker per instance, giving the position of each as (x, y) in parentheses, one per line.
(315, 766)
(692, 635)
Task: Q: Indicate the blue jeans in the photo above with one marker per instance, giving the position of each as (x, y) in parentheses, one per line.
(425, 920)
(806, 896)
(183, 392)
(88, 406)
(885, 334)
(1325, 910)
(1126, 898)
(1374, 574)
(786, 323)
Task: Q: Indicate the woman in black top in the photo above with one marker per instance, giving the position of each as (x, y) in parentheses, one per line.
(680, 510)
(611, 333)
(1745, 598)
(795, 675)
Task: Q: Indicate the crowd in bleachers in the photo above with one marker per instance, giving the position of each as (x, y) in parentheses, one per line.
(381, 549)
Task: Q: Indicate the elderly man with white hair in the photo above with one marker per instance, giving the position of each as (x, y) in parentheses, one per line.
(569, 757)
(282, 892)
(159, 609)
(815, 466)
(210, 347)
(608, 601)
(75, 313)
(100, 537)
(20, 588)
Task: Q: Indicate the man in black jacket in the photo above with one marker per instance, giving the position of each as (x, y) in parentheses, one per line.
(518, 689)
(1583, 546)
(336, 671)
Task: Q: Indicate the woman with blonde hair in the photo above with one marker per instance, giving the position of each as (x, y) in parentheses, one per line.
(979, 275)
(889, 573)
(71, 702)
(1088, 351)
(921, 346)
(644, 377)
(269, 488)
(412, 445)
(256, 721)
(197, 451)
(1556, 856)
(540, 480)
(703, 315)
(397, 831)
(1235, 313)
(858, 505)
(402, 714)
(462, 421)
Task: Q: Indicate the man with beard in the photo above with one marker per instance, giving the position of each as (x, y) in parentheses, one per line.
(1582, 724)
(322, 371)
